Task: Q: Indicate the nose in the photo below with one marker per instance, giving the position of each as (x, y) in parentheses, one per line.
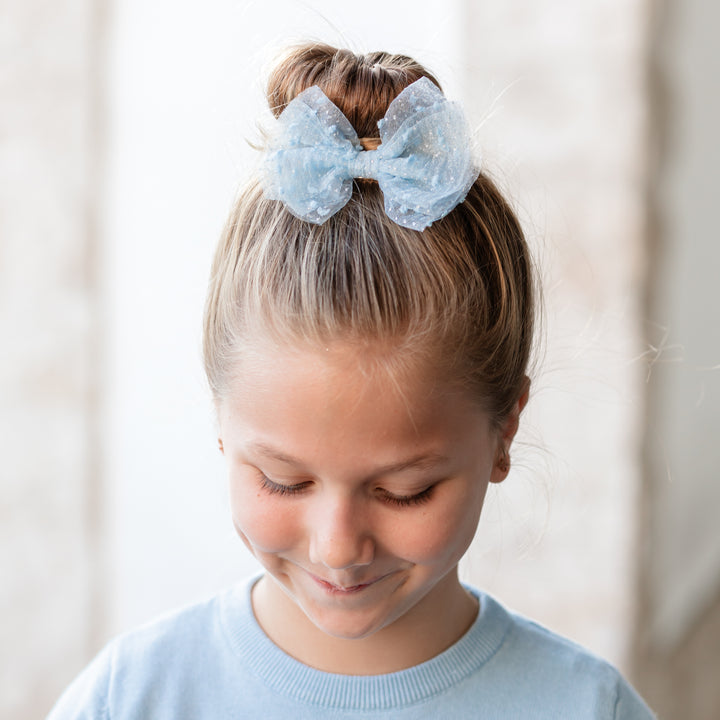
(340, 536)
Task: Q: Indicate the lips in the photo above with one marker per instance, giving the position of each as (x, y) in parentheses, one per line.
(345, 589)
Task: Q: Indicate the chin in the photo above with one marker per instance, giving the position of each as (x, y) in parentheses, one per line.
(344, 627)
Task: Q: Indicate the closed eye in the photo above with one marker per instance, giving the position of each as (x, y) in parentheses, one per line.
(274, 488)
(279, 489)
(407, 500)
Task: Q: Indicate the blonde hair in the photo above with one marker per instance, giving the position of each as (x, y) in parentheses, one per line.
(460, 292)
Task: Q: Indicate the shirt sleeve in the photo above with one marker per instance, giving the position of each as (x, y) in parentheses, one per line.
(630, 706)
(86, 697)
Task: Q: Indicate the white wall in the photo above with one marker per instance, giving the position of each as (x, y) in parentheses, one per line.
(47, 158)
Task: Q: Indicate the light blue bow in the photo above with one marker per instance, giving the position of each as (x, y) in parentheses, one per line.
(423, 166)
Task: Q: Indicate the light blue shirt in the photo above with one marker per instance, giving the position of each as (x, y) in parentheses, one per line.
(213, 660)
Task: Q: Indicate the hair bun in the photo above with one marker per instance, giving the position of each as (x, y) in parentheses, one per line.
(361, 86)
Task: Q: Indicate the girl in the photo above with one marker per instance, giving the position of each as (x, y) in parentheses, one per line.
(367, 336)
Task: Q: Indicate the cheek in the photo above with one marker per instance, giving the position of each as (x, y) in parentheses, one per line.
(265, 523)
(438, 535)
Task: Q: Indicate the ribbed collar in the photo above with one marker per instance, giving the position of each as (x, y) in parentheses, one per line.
(292, 678)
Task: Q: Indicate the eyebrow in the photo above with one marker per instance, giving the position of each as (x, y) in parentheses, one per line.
(427, 461)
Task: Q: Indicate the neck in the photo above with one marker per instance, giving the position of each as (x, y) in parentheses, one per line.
(431, 626)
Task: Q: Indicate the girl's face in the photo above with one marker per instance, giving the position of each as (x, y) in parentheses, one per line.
(357, 490)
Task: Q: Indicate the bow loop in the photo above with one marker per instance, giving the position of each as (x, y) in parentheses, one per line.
(423, 164)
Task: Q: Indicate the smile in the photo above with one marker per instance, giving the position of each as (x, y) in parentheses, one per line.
(334, 589)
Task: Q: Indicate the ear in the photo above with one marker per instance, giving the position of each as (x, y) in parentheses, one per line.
(220, 446)
(506, 435)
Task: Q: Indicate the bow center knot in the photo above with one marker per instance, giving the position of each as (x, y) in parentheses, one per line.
(364, 164)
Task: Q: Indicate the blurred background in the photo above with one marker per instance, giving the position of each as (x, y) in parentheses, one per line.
(124, 129)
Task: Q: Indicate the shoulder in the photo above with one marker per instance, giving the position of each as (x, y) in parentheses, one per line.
(538, 644)
(180, 628)
(139, 672)
(537, 663)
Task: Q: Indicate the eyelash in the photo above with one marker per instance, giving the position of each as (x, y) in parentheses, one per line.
(278, 489)
(406, 500)
(396, 500)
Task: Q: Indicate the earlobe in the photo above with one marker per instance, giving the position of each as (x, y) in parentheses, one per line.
(502, 466)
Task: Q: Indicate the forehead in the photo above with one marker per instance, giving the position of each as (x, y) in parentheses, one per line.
(338, 372)
(344, 399)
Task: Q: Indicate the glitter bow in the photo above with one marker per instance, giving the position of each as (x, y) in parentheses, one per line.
(423, 164)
